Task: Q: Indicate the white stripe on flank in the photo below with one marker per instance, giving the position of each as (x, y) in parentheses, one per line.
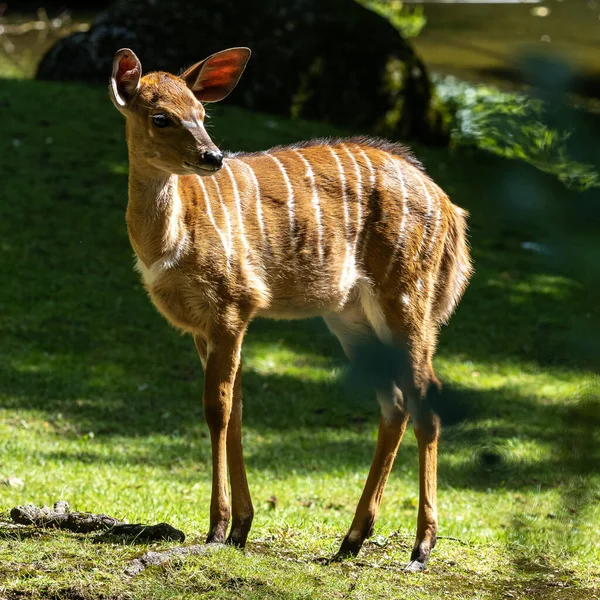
(348, 269)
(373, 184)
(238, 207)
(427, 218)
(226, 215)
(315, 202)
(370, 167)
(259, 214)
(211, 218)
(438, 220)
(290, 201)
(400, 241)
(253, 279)
(359, 193)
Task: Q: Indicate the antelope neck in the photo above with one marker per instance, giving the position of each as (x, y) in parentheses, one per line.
(154, 213)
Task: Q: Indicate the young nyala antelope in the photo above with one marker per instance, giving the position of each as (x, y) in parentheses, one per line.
(351, 230)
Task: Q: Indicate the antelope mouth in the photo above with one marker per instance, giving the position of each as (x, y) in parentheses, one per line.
(193, 167)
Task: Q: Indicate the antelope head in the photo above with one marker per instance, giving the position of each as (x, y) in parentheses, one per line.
(164, 113)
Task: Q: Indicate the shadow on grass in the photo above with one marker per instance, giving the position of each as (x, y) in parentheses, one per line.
(304, 437)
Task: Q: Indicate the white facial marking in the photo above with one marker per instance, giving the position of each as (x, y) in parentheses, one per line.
(211, 218)
(405, 299)
(150, 132)
(290, 198)
(315, 202)
(348, 276)
(195, 123)
(419, 285)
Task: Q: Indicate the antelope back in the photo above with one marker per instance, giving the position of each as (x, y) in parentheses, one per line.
(307, 227)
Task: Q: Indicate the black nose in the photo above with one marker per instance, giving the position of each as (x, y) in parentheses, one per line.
(213, 158)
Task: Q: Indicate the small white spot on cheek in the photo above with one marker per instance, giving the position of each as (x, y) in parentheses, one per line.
(150, 132)
(419, 285)
(405, 299)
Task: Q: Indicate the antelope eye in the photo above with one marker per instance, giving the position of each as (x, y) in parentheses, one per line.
(161, 121)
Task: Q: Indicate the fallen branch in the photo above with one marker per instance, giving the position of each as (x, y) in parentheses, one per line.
(60, 517)
(151, 558)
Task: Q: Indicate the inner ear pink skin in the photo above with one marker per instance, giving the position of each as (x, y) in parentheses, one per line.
(128, 70)
(220, 71)
(215, 77)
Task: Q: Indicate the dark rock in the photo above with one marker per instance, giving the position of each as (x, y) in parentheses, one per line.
(331, 60)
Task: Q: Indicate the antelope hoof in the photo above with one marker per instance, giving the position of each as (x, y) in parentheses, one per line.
(416, 566)
(419, 559)
(350, 548)
(217, 534)
(215, 539)
(236, 539)
(240, 528)
(341, 555)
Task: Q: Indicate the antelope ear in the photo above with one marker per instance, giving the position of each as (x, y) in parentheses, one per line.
(125, 78)
(213, 78)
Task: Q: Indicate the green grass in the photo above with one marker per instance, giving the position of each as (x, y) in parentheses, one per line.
(100, 401)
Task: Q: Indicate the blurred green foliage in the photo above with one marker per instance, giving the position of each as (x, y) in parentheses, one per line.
(409, 21)
(513, 125)
(22, 68)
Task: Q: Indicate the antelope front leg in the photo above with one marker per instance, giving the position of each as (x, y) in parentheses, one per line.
(241, 502)
(221, 369)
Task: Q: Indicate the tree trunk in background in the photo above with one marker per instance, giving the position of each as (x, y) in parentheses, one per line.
(330, 60)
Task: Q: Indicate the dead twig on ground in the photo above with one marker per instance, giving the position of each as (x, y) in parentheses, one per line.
(60, 517)
(150, 558)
